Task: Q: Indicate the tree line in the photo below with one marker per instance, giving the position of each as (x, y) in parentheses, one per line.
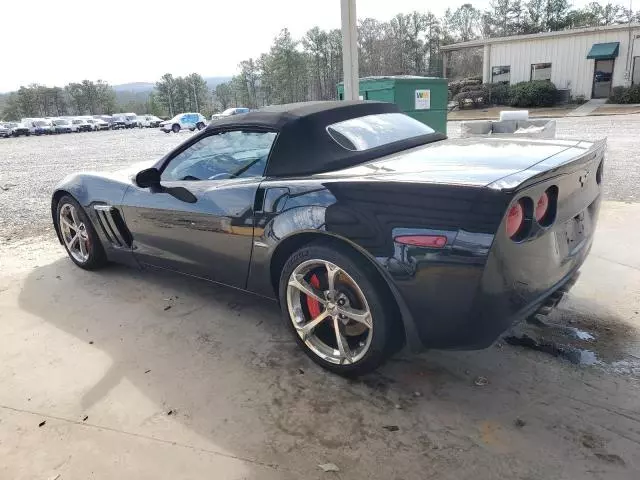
(409, 44)
(84, 98)
(309, 68)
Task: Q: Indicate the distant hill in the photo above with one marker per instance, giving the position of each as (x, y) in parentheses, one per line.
(146, 87)
(134, 87)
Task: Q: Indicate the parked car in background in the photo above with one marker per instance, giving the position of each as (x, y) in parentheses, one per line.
(229, 112)
(189, 121)
(18, 129)
(118, 121)
(148, 121)
(130, 120)
(98, 124)
(61, 125)
(40, 126)
(81, 125)
(5, 130)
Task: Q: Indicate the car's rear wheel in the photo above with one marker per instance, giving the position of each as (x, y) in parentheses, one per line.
(200, 125)
(78, 235)
(175, 128)
(338, 309)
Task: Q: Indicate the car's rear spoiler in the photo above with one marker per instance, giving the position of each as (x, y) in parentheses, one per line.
(580, 155)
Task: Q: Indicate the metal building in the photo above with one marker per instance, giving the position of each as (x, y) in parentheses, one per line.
(586, 61)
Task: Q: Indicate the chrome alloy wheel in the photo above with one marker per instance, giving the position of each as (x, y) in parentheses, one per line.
(329, 312)
(74, 233)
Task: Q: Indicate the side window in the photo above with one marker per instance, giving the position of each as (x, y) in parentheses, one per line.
(224, 155)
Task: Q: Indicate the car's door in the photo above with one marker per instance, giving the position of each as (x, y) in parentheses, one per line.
(200, 221)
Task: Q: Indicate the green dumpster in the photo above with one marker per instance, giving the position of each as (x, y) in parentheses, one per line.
(423, 98)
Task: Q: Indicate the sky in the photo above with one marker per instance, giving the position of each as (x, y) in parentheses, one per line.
(120, 41)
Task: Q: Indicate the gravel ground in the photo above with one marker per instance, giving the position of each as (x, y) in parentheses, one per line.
(31, 167)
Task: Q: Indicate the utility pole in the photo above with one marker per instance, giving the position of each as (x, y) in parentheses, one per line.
(350, 50)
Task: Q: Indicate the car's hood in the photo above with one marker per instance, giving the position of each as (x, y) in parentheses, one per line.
(469, 161)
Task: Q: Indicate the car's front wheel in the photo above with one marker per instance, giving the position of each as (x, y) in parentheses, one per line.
(78, 235)
(175, 128)
(338, 309)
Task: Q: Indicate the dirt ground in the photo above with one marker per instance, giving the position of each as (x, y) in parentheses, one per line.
(128, 374)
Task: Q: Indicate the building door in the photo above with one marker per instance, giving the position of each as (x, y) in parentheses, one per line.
(602, 77)
(635, 78)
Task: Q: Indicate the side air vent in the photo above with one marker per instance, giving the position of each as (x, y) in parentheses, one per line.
(113, 226)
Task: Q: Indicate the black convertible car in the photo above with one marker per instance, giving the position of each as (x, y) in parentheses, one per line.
(370, 229)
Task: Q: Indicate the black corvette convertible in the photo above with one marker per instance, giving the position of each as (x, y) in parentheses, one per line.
(370, 229)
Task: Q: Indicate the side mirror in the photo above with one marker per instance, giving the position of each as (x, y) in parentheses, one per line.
(148, 178)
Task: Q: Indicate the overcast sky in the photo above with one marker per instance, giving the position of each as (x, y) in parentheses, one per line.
(56, 42)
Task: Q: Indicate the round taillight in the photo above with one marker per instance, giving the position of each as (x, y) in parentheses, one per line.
(542, 206)
(515, 219)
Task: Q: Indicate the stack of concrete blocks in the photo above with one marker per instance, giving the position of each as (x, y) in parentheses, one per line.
(510, 123)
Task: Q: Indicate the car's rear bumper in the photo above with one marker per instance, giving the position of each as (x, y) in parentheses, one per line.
(466, 298)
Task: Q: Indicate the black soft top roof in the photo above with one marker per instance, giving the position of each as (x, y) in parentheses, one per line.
(303, 146)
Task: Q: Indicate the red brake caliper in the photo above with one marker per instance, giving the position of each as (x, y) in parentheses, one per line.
(312, 304)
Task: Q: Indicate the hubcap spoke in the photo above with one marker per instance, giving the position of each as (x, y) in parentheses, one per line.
(306, 329)
(74, 239)
(343, 346)
(332, 272)
(74, 216)
(67, 223)
(360, 316)
(83, 247)
(298, 282)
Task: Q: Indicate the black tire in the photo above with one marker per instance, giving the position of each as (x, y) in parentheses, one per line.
(199, 125)
(97, 257)
(175, 128)
(387, 328)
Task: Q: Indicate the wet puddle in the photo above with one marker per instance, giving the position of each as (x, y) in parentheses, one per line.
(582, 338)
(579, 356)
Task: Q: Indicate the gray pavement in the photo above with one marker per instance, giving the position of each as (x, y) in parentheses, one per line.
(100, 380)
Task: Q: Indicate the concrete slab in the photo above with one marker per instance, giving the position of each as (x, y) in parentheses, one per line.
(587, 108)
(213, 387)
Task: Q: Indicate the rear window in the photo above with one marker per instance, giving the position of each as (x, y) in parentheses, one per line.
(371, 131)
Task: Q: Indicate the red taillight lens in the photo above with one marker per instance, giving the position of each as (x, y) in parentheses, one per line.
(515, 219)
(432, 241)
(542, 206)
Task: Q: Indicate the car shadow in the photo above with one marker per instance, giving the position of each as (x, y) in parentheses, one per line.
(222, 363)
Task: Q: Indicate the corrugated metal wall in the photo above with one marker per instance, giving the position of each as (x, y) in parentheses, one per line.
(568, 55)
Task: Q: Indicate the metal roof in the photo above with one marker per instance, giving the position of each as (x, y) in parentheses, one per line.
(537, 36)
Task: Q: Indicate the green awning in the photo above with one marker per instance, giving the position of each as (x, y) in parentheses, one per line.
(604, 51)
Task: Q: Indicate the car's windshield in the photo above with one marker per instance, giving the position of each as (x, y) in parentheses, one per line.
(40, 123)
(131, 117)
(118, 118)
(61, 122)
(77, 122)
(12, 125)
(371, 131)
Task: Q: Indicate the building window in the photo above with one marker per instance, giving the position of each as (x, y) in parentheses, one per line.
(541, 71)
(635, 78)
(501, 74)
